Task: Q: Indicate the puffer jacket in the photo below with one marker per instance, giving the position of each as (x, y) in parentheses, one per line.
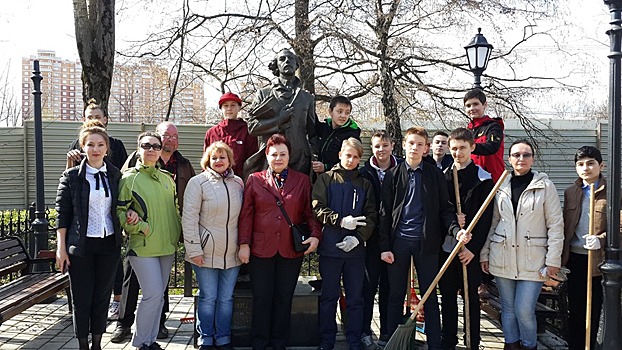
(520, 244)
(151, 193)
(210, 218)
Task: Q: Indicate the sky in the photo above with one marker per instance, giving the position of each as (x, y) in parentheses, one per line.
(28, 25)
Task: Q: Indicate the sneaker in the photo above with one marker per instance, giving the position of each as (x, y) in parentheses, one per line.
(224, 347)
(155, 346)
(384, 339)
(367, 341)
(120, 333)
(163, 332)
(113, 311)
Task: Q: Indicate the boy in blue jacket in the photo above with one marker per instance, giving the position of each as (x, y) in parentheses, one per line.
(344, 203)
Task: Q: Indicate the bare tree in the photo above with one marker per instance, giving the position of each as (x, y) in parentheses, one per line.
(10, 104)
(95, 37)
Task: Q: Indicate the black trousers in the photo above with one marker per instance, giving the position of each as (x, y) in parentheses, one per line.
(117, 286)
(577, 295)
(91, 277)
(129, 298)
(376, 280)
(450, 284)
(273, 281)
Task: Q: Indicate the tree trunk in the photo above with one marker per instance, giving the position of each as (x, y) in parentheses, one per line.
(303, 45)
(94, 25)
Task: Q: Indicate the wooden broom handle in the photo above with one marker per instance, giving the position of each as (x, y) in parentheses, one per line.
(465, 276)
(457, 248)
(590, 266)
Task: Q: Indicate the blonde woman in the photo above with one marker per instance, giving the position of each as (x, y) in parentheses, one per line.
(212, 204)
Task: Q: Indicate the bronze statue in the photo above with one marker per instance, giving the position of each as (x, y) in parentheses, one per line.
(284, 107)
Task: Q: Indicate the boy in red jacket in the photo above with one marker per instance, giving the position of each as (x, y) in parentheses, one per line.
(233, 132)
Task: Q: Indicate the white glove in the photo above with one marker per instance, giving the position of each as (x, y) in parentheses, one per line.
(350, 222)
(348, 243)
(592, 242)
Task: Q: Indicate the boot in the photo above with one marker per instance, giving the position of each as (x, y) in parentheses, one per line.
(97, 342)
(512, 346)
(83, 343)
(526, 348)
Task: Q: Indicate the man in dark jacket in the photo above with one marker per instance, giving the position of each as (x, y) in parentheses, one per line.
(173, 162)
(488, 134)
(416, 215)
(474, 184)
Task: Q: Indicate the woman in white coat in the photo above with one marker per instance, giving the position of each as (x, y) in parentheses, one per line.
(524, 245)
(212, 203)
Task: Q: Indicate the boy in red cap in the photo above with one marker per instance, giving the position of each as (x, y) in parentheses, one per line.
(233, 132)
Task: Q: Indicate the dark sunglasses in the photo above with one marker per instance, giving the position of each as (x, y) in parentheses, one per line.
(147, 146)
(524, 155)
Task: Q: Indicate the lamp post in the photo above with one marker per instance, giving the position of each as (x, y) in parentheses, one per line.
(612, 267)
(478, 53)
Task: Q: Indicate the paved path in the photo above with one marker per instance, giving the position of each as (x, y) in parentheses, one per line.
(49, 327)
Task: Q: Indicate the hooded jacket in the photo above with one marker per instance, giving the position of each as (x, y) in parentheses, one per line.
(338, 193)
(72, 205)
(331, 140)
(488, 153)
(150, 192)
(210, 218)
(520, 244)
(233, 132)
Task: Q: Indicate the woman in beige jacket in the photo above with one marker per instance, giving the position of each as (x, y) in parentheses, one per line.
(212, 204)
(524, 245)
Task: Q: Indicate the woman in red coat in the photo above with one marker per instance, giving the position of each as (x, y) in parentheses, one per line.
(265, 240)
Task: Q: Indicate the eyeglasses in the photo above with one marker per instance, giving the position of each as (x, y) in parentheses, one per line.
(154, 146)
(524, 155)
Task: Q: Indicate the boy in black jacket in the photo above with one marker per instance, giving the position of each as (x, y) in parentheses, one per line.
(333, 131)
(474, 184)
(416, 215)
(376, 279)
(343, 202)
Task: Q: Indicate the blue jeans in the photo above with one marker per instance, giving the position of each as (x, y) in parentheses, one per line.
(215, 308)
(518, 310)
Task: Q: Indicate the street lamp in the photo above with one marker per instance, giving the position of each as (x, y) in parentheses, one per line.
(478, 53)
(609, 338)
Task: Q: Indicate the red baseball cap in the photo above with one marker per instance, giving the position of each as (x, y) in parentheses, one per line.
(229, 96)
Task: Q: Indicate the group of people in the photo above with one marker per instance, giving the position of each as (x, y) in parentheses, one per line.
(282, 173)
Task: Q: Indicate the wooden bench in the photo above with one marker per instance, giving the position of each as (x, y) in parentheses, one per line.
(551, 309)
(22, 286)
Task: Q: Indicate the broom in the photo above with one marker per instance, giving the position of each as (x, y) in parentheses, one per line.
(465, 278)
(401, 338)
(590, 264)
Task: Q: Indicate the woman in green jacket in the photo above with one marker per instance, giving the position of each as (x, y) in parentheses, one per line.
(150, 192)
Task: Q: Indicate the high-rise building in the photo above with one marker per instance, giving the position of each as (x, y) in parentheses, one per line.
(61, 87)
(140, 92)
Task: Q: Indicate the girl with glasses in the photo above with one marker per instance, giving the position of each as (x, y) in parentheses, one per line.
(151, 193)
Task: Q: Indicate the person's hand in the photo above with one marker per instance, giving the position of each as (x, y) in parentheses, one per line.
(313, 243)
(62, 260)
(351, 222)
(387, 257)
(74, 155)
(146, 231)
(465, 256)
(198, 260)
(244, 254)
(552, 271)
(348, 243)
(132, 217)
(485, 266)
(318, 167)
(592, 242)
(461, 220)
(463, 236)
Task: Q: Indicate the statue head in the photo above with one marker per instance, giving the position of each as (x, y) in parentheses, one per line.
(285, 63)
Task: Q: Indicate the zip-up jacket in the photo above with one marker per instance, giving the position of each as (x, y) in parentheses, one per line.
(520, 243)
(72, 205)
(474, 184)
(488, 153)
(150, 192)
(210, 218)
(338, 193)
(233, 132)
(331, 140)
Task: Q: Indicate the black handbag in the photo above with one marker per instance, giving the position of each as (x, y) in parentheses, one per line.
(299, 232)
